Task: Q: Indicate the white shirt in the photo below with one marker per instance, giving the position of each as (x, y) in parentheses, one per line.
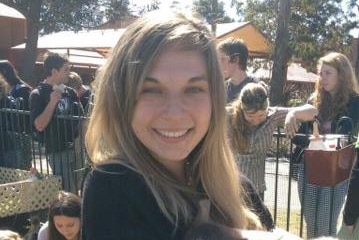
(43, 232)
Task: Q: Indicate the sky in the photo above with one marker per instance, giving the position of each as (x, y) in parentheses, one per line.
(184, 4)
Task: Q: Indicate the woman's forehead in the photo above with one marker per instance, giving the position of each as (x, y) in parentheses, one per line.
(255, 112)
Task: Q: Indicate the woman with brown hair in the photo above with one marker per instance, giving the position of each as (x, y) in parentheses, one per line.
(157, 136)
(64, 218)
(336, 95)
(252, 123)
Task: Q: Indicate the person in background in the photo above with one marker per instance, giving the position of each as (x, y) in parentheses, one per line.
(251, 125)
(83, 92)
(64, 221)
(51, 104)
(7, 150)
(336, 95)
(233, 55)
(350, 225)
(157, 136)
(19, 89)
(20, 133)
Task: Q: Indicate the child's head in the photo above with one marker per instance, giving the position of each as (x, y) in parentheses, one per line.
(74, 81)
(57, 66)
(65, 216)
(9, 235)
(246, 112)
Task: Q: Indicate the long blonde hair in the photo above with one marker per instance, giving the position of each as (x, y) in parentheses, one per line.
(327, 105)
(110, 135)
(252, 98)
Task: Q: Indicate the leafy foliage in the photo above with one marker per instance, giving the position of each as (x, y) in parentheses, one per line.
(115, 9)
(56, 16)
(212, 10)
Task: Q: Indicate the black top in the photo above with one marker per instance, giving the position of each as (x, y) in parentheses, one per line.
(351, 208)
(21, 92)
(60, 131)
(337, 126)
(117, 204)
(85, 98)
(234, 90)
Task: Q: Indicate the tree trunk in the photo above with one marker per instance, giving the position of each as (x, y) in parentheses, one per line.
(281, 56)
(214, 18)
(357, 60)
(30, 53)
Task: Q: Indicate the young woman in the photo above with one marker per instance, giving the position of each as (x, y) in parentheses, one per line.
(336, 95)
(157, 136)
(19, 89)
(64, 218)
(252, 123)
(19, 135)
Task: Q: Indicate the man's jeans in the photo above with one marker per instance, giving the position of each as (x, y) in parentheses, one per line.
(63, 164)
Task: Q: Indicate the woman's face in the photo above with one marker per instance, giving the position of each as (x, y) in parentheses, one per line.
(328, 78)
(173, 109)
(255, 118)
(69, 227)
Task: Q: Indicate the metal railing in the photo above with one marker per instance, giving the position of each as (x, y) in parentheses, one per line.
(22, 147)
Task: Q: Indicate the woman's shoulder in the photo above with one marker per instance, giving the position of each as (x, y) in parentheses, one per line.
(354, 98)
(114, 175)
(114, 170)
(43, 232)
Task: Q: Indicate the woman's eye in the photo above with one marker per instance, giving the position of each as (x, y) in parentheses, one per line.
(194, 90)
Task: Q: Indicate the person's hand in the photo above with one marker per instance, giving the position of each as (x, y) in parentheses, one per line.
(203, 212)
(55, 96)
(350, 227)
(290, 124)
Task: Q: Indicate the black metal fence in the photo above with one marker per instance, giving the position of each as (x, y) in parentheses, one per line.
(22, 147)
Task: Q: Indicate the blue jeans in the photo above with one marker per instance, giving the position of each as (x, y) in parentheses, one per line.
(63, 164)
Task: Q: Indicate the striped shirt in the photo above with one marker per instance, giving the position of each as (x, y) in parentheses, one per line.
(252, 162)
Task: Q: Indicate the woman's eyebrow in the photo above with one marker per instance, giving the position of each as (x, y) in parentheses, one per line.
(151, 79)
(192, 79)
(198, 78)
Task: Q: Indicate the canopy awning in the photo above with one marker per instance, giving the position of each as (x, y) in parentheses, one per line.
(295, 73)
(12, 27)
(258, 45)
(102, 41)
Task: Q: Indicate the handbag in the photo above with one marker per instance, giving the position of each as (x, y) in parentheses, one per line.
(332, 162)
(329, 167)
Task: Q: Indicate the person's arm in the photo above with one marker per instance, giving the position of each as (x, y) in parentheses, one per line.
(254, 201)
(118, 205)
(306, 112)
(303, 113)
(42, 120)
(351, 208)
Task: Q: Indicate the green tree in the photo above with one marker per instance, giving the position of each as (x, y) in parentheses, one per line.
(52, 16)
(153, 5)
(213, 11)
(115, 9)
